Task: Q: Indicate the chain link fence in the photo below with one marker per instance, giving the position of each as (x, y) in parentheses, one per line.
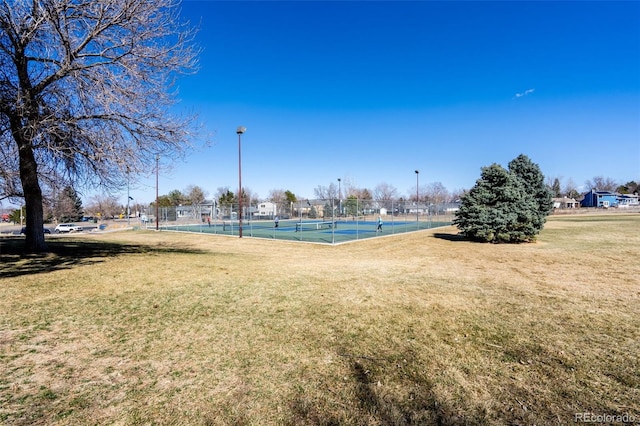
(322, 221)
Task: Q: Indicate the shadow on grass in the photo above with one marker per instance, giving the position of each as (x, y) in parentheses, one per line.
(371, 402)
(66, 254)
(450, 237)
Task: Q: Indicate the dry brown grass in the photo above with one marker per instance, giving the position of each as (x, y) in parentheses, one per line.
(423, 328)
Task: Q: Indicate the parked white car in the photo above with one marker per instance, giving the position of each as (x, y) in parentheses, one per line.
(67, 227)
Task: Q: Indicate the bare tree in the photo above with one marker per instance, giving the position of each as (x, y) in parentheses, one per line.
(457, 194)
(195, 195)
(420, 196)
(436, 193)
(277, 196)
(347, 188)
(85, 93)
(385, 192)
(600, 183)
(250, 195)
(384, 195)
(326, 193)
(359, 193)
(570, 189)
(104, 206)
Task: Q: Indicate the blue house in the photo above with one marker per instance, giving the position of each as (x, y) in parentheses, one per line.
(603, 199)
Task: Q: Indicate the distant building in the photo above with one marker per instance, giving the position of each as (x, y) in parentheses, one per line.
(628, 200)
(602, 199)
(201, 212)
(266, 210)
(565, 203)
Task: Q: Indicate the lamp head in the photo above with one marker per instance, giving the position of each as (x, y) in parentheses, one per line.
(417, 172)
(241, 130)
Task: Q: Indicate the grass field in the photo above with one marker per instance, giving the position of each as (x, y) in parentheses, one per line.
(137, 328)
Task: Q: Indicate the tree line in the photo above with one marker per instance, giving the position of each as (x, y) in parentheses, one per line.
(67, 205)
(599, 183)
(434, 192)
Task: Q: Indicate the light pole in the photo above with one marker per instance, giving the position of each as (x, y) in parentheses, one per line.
(339, 197)
(128, 199)
(157, 207)
(240, 131)
(333, 222)
(417, 194)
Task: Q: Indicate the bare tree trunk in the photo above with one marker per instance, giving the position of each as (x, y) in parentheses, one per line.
(35, 242)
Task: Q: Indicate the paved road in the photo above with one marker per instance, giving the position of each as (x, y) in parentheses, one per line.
(7, 228)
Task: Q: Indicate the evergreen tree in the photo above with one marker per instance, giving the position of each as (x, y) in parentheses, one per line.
(177, 197)
(630, 187)
(505, 205)
(313, 213)
(533, 180)
(69, 206)
(555, 188)
(16, 216)
(164, 201)
(350, 206)
(495, 209)
(226, 198)
(291, 199)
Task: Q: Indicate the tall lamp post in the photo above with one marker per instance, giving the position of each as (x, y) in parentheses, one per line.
(157, 207)
(417, 194)
(240, 131)
(339, 198)
(128, 199)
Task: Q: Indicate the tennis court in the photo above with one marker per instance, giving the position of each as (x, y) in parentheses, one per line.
(335, 231)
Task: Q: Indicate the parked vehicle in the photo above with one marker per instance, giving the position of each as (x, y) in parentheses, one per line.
(67, 227)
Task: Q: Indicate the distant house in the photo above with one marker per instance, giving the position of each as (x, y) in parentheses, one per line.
(267, 210)
(603, 199)
(628, 200)
(199, 212)
(565, 203)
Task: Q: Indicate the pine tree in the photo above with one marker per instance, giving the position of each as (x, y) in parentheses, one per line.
(533, 180)
(69, 206)
(505, 206)
(555, 188)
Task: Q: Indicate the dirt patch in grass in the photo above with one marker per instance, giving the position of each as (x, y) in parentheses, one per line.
(423, 328)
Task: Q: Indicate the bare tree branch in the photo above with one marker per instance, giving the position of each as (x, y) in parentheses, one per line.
(86, 94)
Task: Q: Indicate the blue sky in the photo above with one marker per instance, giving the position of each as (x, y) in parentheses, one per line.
(368, 92)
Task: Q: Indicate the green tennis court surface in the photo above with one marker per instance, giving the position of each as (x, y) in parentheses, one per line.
(316, 231)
